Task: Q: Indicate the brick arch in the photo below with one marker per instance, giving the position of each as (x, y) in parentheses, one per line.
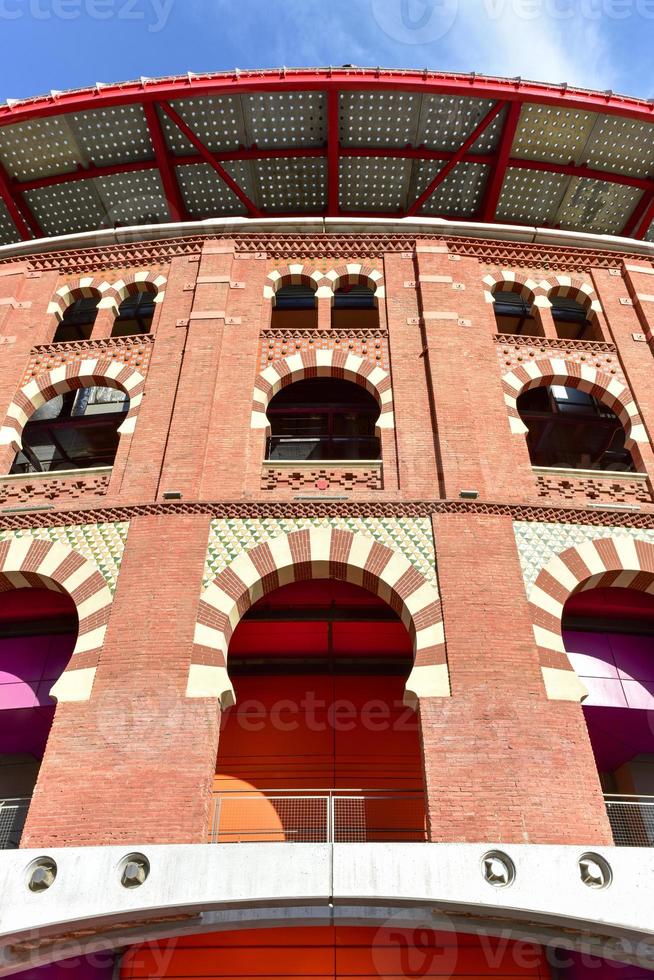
(27, 561)
(140, 282)
(319, 552)
(83, 288)
(618, 561)
(357, 274)
(322, 363)
(573, 288)
(296, 274)
(69, 377)
(508, 281)
(557, 371)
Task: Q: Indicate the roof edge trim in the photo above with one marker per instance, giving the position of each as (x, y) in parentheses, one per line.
(325, 226)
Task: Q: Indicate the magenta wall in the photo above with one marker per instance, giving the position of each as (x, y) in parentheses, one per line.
(98, 966)
(29, 667)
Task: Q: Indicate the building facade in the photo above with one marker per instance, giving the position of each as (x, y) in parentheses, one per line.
(326, 549)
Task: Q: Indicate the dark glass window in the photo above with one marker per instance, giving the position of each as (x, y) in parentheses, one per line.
(571, 320)
(295, 298)
(323, 418)
(76, 430)
(77, 322)
(570, 429)
(135, 315)
(514, 315)
(354, 298)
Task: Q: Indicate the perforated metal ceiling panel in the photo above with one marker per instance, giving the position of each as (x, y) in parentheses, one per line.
(292, 184)
(596, 205)
(374, 183)
(326, 141)
(552, 133)
(216, 121)
(531, 197)
(40, 147)
(133, 199)
(205, 194)
(66, 208)
(625, 145)
(378, 118)
(8, 232)
(285, 119)
(112, 135)
(461, 192)
(446, 122)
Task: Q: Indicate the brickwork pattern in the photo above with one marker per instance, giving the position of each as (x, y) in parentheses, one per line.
(276, 344)
(67, 489)
(542, 291)
(601, 384)
(194, 436)
(109, 294)
(46, 559)
(322, 363)
(411, 536)
(620, 490)
(512, 351)
(324, 281)
(315, 552)
(78, 374)
(618, 560)
(134, 352)
(321, 478)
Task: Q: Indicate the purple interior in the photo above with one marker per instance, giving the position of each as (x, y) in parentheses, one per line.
(99, 966)
(618, 670)
(584, 967)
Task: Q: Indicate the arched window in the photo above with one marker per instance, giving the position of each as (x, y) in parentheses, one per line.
(323, 419)
(570, 429)
(38, 632)
(609, 637)
(76, 430)
(355, 306)
(135, 315)
(571, 320)
(514, 315)
(78, 320)
(295, 306)
(325, 664)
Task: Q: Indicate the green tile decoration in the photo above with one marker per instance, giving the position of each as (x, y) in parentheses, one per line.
(103, 544)
(538, 543)
(411, 536)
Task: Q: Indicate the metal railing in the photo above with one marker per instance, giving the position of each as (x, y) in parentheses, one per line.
(631, 819)
(12, 820)
(317, 816)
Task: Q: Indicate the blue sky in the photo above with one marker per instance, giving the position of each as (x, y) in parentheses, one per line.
(59, 44)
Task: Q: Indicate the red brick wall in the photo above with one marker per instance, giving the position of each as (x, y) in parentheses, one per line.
(134, 763)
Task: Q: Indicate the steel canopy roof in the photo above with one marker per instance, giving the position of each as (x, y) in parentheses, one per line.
(333, 142)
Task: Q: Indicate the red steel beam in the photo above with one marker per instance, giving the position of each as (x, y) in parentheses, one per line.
(172, 192)
(636, 215)
(310, 79)
(209, 158)
(498, 172)
(333, 152)
(645, 221)
(455, 159)
(408, 152)
(26, 224)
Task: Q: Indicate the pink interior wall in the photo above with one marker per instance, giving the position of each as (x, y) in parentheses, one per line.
(29, 667)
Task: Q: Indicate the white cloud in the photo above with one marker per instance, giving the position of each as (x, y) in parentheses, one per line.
(509, 37)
